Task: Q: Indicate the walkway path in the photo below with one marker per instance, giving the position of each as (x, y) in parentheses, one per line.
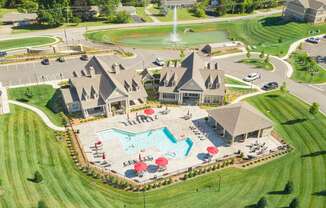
(40, 113)
(149, 13)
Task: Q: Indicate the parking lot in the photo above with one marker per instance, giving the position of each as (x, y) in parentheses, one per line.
(315, 50)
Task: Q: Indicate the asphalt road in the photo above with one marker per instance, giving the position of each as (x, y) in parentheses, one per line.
(35, 72)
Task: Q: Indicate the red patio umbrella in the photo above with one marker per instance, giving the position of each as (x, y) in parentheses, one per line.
(98, 142)
(140, 167)
(212, 150)
(161, 161)
(103, 156)
(149, 111)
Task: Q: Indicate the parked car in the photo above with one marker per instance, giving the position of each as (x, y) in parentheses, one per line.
(320, 59)
(313, 40)
(84, 57)
(159, 62)
(45, 61)
(270, 86)
(252, 77)
(3, 53)
(61, 59)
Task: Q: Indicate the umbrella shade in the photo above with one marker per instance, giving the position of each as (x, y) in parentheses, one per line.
(149, 111)
(98, 142)
(212, 150)
(140, 167)
(103, 156)
(161, 161)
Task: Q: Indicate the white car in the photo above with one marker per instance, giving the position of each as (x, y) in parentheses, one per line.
(159, 62)
(251, 77)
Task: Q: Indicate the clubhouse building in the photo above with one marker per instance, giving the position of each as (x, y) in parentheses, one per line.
(104, 90)
(193, 82)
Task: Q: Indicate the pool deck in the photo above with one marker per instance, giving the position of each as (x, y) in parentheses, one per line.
(178, 126)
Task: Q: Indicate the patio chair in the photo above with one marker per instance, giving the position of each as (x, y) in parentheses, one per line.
(125, 164)
(129, 122)
(124, 123)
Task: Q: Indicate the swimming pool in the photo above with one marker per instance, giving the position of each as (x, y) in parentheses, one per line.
(161, 139)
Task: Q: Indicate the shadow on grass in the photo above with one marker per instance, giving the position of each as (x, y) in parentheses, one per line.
(23, 100)
(315, 154)
(251, 206)
(34, 27)
(274, 21)
(55, 104)
(272, 96)
(321, 193)
(294, 121)
(276, 192)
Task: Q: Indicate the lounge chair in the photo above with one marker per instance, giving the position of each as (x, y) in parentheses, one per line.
(134, 122)
(129, 122)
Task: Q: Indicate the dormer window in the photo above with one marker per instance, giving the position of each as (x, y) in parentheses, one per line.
(166, 82)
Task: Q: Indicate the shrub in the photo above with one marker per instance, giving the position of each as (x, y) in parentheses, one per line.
(262, 203)
(294, 203)
(41, 204)
(37, 177)
(314, 108)
(288, 189)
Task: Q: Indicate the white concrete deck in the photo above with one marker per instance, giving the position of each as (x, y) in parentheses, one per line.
(175, 122)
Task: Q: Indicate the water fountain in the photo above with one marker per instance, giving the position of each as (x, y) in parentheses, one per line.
(174, 35)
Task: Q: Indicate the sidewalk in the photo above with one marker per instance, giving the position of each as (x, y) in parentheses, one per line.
(40, 113)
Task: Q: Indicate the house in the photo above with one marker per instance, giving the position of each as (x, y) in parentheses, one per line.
(178, 3)
(237, 122)
(19, 19)
(103, 89)
(194, 82)
(82, 9)
(212, 48)
(313, 11)
(4, 105)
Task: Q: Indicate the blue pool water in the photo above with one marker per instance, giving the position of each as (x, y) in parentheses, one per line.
(161, 139)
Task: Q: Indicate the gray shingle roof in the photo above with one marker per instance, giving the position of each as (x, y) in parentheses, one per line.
(240, 118)
(101, 83)
(313, 4)
(193, 75)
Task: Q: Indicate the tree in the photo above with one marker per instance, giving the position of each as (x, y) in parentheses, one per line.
(76, 20)
(248, 54)
(288, 189)
(294, 203)
(262, 203)
(37, 177)
(120, 17)
(163, 11)
(314, 108)
(266, 59)
(28, 6)
(54, 13)
(262, 55)
(41, 204)
(107, 7)
(284, 88)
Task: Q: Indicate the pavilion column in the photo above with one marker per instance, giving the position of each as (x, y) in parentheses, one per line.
(127, 106)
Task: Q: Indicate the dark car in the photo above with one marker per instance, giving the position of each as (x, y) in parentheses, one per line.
(45, 61)
(270, 86)
(3, 53)
(313, 40)
(61, 59)
(84, 57)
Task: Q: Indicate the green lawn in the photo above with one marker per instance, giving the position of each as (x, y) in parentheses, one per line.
(26, 145)
(229, 80)
(141, 13)
(272, 34)
(182, 13)
(44, 97)
(258, 63)
(302, 75)
(25, 42)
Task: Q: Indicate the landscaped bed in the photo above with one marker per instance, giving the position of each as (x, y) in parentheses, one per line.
(258, 63)
(306, 70)
(273, 35)
(27, 145)
(25, 42)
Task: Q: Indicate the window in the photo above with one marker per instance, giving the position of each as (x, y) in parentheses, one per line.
(169, 96)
